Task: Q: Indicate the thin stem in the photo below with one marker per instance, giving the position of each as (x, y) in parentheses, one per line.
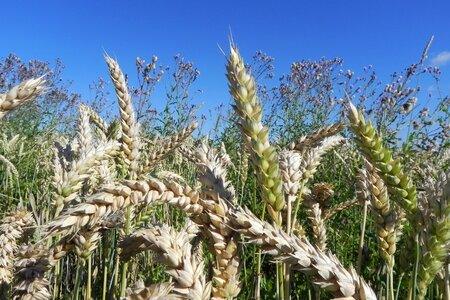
(123, 279)
(447, 281)
(77, 282)
(361, 240)
(416, 267)
(89, 278)
(297, 206)
(105, 280)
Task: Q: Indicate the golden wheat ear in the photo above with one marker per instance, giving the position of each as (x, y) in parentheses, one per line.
(20, 94)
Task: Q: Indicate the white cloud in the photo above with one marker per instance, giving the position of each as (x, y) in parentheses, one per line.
(441, 59)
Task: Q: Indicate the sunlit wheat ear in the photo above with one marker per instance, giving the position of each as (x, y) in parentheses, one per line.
(24, 92)
(313, 157)
(95, 118)
(85, 138)
(160, 291)
(390, 170)
(67, 183)
(116, 197)
(32, 263)
(386, 219)
(312, 140)
(256, 136)
(332, 211)
(167, 147)
(318, 227)
(435, 238)
(12, 230)
(130, 127)
(326, 270)
(175, 251)
(216, 197)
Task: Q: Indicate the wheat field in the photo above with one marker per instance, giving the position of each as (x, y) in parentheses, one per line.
(184, 216)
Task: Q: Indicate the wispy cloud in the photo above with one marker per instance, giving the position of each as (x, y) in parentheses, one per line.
(441, 59)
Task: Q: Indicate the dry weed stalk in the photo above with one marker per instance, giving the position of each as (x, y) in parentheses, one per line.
(130, 127)
(175, 251)
(24, 92)
(256, 136)
(12, 230)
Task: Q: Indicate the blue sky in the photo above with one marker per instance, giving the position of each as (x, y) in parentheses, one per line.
(390, 35)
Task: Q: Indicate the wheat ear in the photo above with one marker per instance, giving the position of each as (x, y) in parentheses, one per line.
(116, 197)
(160, 291)
(32, 263)
(385, 217)
(24, 92)
(256, 136)
(390, 170)
(327, 271)
(312, 140)
(436, 236)
(12, 230)
(130, 127)
(330, 212)
(167, 147)
(216, 196)
(95, 118)
(175, 251)
(85, 139)
(67, 184)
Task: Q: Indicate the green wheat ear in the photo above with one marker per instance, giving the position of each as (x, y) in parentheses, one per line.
(263, 155)
(390, 170)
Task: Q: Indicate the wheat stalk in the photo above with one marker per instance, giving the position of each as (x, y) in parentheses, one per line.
(385, 217)
(24, 92)
(116, 197)
(33, 261)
